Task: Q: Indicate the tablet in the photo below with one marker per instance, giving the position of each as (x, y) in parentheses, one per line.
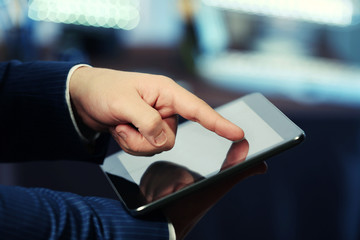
(201, 157)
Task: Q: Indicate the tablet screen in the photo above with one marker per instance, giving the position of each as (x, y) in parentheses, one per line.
(197, 154)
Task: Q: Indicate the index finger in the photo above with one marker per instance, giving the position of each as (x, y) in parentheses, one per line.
(195, 109)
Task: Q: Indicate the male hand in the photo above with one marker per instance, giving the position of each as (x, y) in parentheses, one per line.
(140, 110)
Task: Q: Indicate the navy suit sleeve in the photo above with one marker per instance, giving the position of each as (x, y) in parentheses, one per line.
(35, 123)
(44, 214)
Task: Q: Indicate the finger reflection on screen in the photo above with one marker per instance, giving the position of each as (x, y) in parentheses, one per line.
(163, 178)
(236, 154)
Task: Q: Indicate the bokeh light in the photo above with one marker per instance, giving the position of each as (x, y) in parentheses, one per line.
(331, 12)
(119, 14)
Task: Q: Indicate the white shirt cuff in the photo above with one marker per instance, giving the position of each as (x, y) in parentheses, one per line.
(172, 234)
(68, 101)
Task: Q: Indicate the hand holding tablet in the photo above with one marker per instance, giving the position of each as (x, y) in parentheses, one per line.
(200, 157)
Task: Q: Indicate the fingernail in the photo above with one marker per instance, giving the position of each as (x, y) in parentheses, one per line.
(122, 135)
(161, 139)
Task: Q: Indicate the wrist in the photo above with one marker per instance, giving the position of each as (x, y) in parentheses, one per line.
(74, 82)
(78, 76)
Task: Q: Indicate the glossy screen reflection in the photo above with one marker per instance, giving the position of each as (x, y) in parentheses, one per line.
(197, 154)
(163, 178)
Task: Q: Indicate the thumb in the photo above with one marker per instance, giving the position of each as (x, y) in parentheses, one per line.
(148, 122)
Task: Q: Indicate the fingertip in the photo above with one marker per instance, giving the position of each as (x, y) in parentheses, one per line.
(121, 133)
(160, 140)
(240, 135)
(234, 133)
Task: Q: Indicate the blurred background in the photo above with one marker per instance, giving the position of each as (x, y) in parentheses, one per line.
(303, 55)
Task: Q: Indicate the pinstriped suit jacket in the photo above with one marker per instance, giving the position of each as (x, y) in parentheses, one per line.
(35, 125)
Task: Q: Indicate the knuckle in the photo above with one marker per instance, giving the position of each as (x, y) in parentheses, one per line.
(152, 123)
(164, 79)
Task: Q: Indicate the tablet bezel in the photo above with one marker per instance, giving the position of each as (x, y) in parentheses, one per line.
(278, 121)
